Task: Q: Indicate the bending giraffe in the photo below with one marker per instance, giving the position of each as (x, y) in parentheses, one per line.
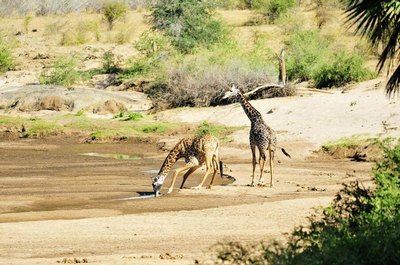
(196, 151)
(261, 136)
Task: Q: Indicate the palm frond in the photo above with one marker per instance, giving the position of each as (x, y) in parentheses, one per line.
(393, 85)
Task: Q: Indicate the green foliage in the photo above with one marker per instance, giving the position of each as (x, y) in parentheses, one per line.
(109, 65)
(278, 7)
(361, 226)
(342, 70)
(129, 116)
(155, 128)
(347, 142)
(114, 11)
(64, 73)
(188, 23)
(379, 22)
(208, 128)
(307, 51)
(151, 43)
(6, 59)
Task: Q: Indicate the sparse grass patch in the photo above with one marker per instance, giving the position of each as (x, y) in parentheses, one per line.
(76, 36)
(40, 128)
(352, 142)
(155, 128)
(129, 116)
(217, 130)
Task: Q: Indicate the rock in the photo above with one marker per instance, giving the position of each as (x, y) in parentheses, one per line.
(105, 80)
(54, 103)
(110, 106)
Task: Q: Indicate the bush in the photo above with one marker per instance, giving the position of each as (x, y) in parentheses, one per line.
(113, 12)
(278, 7)
(362, 226)
(109, 64)
(188, 23)
(307, 51)
(64, 73)
(6, 60)
(342, 70)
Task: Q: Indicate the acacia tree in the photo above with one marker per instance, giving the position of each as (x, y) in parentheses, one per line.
(379, 21)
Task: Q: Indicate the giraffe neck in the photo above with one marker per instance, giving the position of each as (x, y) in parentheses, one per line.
(169, 161)
(250, 111)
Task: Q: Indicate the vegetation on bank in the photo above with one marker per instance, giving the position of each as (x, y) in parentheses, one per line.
(188, 56)
(361, 226)
(121, 126)
(6, 58)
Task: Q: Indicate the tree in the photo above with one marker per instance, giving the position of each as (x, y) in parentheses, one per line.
(114, 11)
(188, 23)
(379, 21)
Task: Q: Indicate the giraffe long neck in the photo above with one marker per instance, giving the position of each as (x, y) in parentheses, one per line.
(250, 111)
(169, 161)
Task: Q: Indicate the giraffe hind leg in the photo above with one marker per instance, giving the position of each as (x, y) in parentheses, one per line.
(271, 164)
(187, 174)
(262, 164)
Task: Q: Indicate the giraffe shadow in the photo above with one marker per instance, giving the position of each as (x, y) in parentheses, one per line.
(145, 193)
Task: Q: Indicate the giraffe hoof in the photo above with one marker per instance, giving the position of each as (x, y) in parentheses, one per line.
(196, 188)
(169, 191)
(209, 187)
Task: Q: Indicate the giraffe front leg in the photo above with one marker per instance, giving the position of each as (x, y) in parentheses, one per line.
(177, 172)
(253, 152)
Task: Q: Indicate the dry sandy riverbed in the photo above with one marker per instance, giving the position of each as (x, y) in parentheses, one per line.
(56, 203)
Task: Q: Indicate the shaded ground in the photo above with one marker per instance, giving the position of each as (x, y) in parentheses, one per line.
(50, 181)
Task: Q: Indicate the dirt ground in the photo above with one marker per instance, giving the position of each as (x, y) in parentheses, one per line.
(61, 199)
(59, 204)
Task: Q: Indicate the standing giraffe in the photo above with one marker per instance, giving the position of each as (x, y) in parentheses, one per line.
(261, 135)
(196, 150)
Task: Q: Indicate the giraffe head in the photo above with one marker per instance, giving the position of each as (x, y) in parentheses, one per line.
(157, 183)
(233, 92)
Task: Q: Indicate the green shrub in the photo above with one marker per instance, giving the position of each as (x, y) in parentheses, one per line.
(155, 128)
(129, 116)
(278, 7)
(151, 43)
(342, 70)
(361, 226)
(109, 65)
(6, 60)
(64, 73)
(113, 12)
(307, 51)
(188, 23)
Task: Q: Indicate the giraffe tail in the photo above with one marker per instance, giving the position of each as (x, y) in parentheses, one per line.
(284, 152)
(217, 163)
